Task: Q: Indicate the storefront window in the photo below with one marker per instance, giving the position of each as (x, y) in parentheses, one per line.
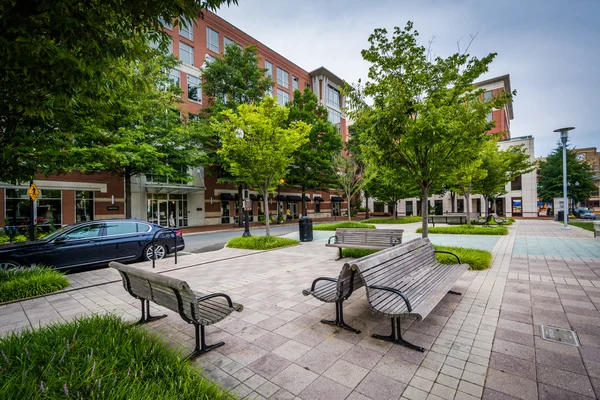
(378, 206)
(49, 208)
(167, 209)
(84, 206)
(17, 206)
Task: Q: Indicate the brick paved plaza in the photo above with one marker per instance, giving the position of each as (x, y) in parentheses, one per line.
(484, 344)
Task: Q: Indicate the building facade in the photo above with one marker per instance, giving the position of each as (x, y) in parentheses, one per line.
(203, 201)
(521, 197)
(591, 156)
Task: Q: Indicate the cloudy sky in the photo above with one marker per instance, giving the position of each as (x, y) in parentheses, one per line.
(550, 48)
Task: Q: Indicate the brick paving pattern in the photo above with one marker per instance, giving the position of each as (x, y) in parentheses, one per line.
(483, 344)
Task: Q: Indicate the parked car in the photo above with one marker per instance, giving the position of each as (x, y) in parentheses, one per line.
(587, 214)
(579, 210)
(93, 243)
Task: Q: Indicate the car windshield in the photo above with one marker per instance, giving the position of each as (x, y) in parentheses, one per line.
(57, 232)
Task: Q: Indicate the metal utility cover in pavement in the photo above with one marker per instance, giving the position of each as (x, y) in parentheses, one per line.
(559, 335)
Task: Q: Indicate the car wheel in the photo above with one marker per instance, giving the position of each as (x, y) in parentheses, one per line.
(8, 264)
(160, 252)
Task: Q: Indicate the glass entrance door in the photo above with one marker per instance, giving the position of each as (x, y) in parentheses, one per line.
(294, 209)
(517, 207)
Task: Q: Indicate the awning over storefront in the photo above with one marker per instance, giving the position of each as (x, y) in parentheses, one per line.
(318, 199)
(227, 196)
(281, 197)
(336, 199)
(307, 199)
(171, 189)
(254, 197)
(294, 198)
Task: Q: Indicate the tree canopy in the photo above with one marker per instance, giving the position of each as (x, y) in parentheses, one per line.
(550, 179)
(427, 115)
(61, 59)
(350, 175)
(258, 144)
(312, 166)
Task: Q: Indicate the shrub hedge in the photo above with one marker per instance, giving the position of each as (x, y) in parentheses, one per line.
(20, 283)
(403, 220)
(465, 230)
(347, 224)
(260, 242)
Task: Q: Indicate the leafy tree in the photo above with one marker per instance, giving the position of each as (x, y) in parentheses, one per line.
(312, 167)
(385, 185)
(550, 181)
(349, 174)
(354, 147)
(56, 59)
(464, 177)
(258, 144)
(427, 116)
(141, 134)
(501, 167)
(229, 80)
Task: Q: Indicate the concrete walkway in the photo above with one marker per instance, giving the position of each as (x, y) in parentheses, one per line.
(484, 344)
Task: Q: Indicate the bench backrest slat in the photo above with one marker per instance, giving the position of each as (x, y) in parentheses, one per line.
(380, 237)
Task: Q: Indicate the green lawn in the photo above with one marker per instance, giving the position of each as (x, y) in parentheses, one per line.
(20, 283)
(403, 220)
(588, 226)
(260, 242)
(465, 230)
(347, 224)
(97, 357)
(477, 259)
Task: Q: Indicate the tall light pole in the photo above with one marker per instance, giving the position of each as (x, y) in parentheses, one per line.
(239, 133)
(564, 137)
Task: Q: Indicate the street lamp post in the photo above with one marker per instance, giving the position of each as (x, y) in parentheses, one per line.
(240, 135)
(564, 137)
(279, 216)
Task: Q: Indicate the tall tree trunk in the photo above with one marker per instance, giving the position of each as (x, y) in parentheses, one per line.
(487, 206)
(240, 205)
(395, 209)
(127, 193)
(467, 194)
(453, 201)
(349, 213)
(367, 204)
(267, 216)
(425, 211)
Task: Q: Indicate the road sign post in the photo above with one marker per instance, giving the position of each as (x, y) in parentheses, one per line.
(33, 193)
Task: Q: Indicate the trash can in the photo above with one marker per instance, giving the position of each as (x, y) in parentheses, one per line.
(560, 216)
(305, 229)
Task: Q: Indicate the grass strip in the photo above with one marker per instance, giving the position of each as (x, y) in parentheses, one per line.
(348, 224)
(466, 230)
(477, 259)
(588, 226)
(20, 283)
(403, 220)
(97, 357)
(260, 242)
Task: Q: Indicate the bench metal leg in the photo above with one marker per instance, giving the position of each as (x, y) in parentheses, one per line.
(339, 318)
(146, 317)
(341, 255)
(201, 346)
(454, 292)
(396, 336)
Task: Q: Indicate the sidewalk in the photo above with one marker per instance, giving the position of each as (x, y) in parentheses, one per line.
(484, 344)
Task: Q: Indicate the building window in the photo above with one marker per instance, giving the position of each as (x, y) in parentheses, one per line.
(186, 32)
(84, 206)
(333, 97)
(487, 96)
(186, 53)
(175, 77)
(317, 206)
(334, 116)
(283, 97)
(516, 183)
(295, 82)
(207, 59)
(283, 78)
(269, 69)
(460, 205)
(378, 206)
(490, 116)
(194, 88)
(307, 85)
(165, 24)
(212, 40)
(155, 45)
(228, 42)
(193, 117)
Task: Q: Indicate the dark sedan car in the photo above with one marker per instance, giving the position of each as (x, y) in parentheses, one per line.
(93, 243)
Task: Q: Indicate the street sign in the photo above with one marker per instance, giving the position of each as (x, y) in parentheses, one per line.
(33, 192)
(248, 204)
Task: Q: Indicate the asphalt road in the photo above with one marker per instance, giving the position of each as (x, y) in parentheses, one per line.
(203, 242)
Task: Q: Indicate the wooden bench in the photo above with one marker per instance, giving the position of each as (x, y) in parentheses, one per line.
(485, 221)
(361, 238)
(406, 280)
(199, 309)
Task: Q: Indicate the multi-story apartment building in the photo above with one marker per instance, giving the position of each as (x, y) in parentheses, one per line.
(591, 156)
(73, 197)
(521, 197)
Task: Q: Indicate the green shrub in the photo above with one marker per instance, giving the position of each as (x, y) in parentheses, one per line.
(588, 226)
(17, 239)
(260, 242)
(465, 230)
(509, 222)
(20, 283)
(402, 220)
(97, 357)
(477, 259)
(348, 224)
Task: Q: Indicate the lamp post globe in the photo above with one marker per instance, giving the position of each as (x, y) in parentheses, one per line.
(564, 137)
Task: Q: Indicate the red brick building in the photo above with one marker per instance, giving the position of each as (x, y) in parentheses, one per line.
(74, 197)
